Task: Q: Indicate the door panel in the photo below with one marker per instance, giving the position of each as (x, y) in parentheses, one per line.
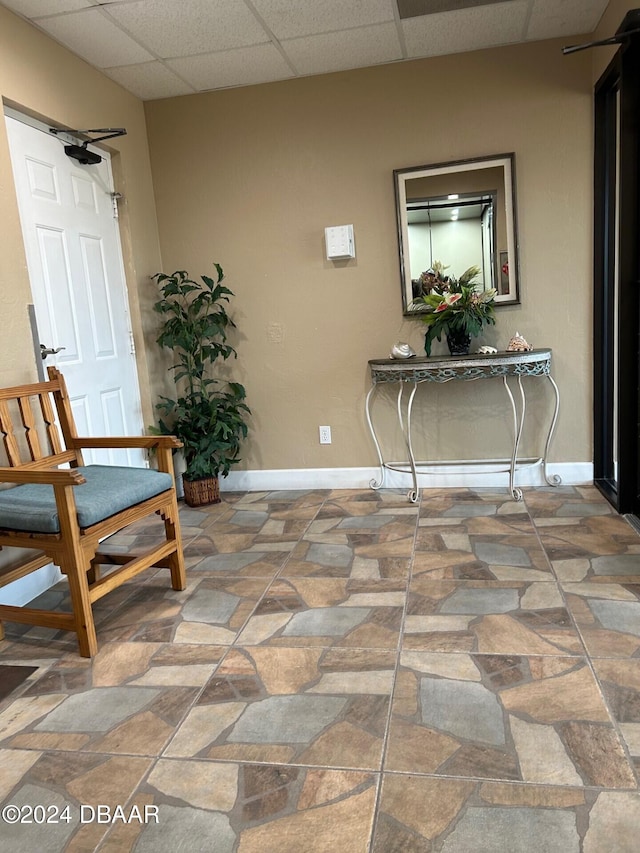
(94, 266)
(617, 280)
(59, 322)
(76, 273)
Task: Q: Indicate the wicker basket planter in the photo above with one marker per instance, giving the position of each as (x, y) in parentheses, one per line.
(201, 492)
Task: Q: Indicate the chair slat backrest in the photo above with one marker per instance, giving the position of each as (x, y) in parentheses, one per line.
(50, 423)
(63, 408)
(8, 435)
(29, 423)
(28, 415)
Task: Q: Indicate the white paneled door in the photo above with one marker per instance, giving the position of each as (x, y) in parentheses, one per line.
(70, 231)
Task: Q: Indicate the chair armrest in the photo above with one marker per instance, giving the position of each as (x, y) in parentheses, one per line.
(142, 441)
(68, 477)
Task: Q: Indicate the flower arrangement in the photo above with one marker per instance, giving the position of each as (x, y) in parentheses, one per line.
(455, 307)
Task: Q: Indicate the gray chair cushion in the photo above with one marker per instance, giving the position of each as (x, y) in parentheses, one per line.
(108, 490)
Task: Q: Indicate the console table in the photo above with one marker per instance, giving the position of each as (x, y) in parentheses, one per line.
(411, 372)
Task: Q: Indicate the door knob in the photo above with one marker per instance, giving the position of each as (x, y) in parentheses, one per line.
(45, 351)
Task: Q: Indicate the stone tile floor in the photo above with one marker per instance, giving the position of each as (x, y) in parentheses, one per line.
(345, 673)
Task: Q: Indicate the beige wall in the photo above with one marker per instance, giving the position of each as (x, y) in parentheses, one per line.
(250, 178)
(40, 77)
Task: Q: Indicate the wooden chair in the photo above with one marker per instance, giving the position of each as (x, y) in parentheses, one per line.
(64, 514)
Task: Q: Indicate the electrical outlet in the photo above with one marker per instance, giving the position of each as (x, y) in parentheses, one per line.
(325, 434)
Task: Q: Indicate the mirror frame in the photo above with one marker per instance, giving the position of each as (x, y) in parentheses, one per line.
(401, 176)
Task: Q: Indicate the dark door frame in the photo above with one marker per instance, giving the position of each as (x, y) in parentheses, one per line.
(616, 334)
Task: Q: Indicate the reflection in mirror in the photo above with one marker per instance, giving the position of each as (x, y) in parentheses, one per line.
(458, 215)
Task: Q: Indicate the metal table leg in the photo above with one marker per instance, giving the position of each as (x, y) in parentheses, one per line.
(375, 484)
(412, 494)
(555, 480)
(516, 493)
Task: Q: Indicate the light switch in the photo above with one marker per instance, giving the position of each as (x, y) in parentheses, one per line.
(339, 242)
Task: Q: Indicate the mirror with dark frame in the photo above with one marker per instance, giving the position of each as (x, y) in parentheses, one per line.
(458, 215)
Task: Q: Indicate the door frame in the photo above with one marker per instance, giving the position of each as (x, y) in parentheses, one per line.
(616, 327)
(63, 137)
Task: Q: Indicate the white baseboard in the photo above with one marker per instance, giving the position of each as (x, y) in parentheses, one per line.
(446, 476)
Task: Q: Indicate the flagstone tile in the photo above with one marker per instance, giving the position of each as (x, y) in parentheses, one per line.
(607, 616)
(351, 499)
(616, 568)
(225, 550)
(285, 504)
(224, 561)
(365, 516)
(250, 808)
(152, 586)
(565, 502)
(68, 787)
(130, 700)
(419, 814)
(346, 554)
(16, 679)
(226, 497)
(44, 640)
(488, 511)
(145, 535)
(506, 717)
(505, 617)
(603, 547)
(311, 706)
(260, 525)
(328, 612)
(458, 553)
(498, 732)
(394, 526)
(210, 611)
(25, 710)
(620, 682)
(15, 650)
(205, 516)
(136, 720)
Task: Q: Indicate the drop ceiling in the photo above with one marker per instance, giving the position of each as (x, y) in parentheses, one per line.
(163, 48)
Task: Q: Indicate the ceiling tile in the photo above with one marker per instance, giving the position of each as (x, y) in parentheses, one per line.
(149, 80)
(38, 8)
(222, 43)
(312, 17)
(553, 18)
(188, 27)
(95, 38)
(466, 29)
(415, 8)
(349, 49)
(241, 67)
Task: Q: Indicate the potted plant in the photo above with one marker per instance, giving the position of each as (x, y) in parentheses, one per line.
(456, 308)
(208, 414)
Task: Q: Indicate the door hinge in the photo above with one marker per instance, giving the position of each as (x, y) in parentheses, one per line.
(115, 197)
(132, 343)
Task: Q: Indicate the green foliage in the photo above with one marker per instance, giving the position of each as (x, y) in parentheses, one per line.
(454, 305)
(209, 414)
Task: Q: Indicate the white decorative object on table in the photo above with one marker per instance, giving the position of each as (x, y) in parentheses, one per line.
(401, 350)
(487, 350)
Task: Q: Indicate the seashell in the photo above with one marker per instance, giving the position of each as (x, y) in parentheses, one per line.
(487, 350)
(401, 350)
(518, 344)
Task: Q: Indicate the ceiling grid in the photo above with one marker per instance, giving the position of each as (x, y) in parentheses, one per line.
(164, 48)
